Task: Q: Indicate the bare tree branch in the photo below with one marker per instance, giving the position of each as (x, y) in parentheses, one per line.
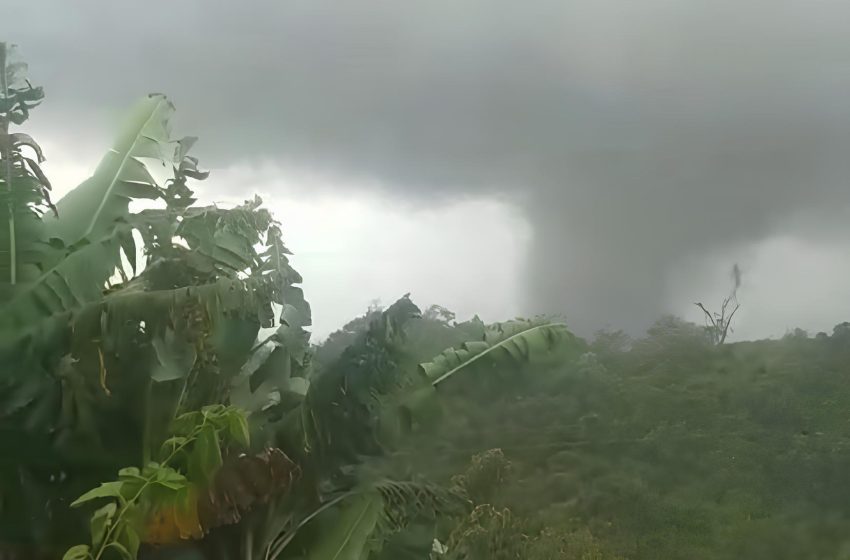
(719, 324)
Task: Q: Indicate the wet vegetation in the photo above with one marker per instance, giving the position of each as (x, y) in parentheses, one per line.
(663, 447)
(160, 398)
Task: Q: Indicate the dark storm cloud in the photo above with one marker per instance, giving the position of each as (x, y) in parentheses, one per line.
(633, 133)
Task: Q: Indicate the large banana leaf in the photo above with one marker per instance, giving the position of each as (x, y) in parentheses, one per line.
(95, 333)
(91, 209)
(505, 350)
(88, 222)
(68, 284)
(356, 524)
(506, 345)
(350, 529)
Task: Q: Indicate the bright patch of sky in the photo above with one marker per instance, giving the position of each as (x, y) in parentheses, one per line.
(355, 247)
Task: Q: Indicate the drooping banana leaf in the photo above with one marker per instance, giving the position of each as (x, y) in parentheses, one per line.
(506, 345)
(70, 283)
(349, 529)
(88, 222)
(72, 292)
(118, 343)
(505, 350)
(92, 209)
(358, 523)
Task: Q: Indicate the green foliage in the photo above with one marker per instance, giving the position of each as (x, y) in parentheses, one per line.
(342, 429)
(19, 96)
(114, 322)
(111, 360)
(484, 476)
(359, 527)
(24, 189)
(669, 447)
(125, 173)
(162, 498)
(335, 423)
(494, 531)
(516, 343)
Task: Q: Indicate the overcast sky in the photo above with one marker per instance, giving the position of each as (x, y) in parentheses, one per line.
(604, 159)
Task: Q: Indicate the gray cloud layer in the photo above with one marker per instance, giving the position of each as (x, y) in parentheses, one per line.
(632, 133)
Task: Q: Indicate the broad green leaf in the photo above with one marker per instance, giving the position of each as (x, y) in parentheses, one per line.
(128, 246)
(347, 537)
(129, 539)
(237, 428)
(205, 458)
(73, 281)
(175, 356)
(361, 521)
(92, 209)
(105, 490)
(517, 344)
(129, 472)
(169, 478)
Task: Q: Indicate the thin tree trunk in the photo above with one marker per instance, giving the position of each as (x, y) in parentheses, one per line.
(6, 156)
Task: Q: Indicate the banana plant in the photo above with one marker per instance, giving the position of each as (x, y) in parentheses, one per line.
(112, 321)
(362, 405)
(516, 344)
(24, 190)
(504, 353)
